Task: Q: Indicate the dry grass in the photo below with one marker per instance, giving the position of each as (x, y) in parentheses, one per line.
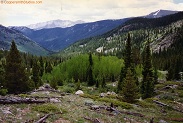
(74, 110)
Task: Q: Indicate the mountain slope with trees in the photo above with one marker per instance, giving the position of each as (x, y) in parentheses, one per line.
(164, 35)
(56, 39)
(24, 44)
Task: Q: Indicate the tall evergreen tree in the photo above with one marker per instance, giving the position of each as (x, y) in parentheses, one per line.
(155, 76)
(41, 66)
(35, 74)
(103, 82)
(2, 80)
(128, 61)
(128, 54)
(147, 85)
(48, 67)
(15, 76)
(90, 71)
(129, 89)
(122, 75)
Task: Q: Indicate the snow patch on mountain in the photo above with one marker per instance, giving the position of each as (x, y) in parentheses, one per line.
(160, 13)
(156, 13)
(54, 24)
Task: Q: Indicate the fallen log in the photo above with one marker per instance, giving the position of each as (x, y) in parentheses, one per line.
(93, 120)
(133, 113)
(160, 103)
(43, 118)
(18, 100)
(175, 119)
(165, 105)
(111, 109)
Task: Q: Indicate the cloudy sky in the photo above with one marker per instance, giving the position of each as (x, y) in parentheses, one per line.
(86, 10)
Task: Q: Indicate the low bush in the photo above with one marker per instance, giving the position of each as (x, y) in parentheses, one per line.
(3, 92)
(116, 102)
(90, 96)
(146, 103)
(167, 96)
(67, 89)
(23, 95)
(46, 108)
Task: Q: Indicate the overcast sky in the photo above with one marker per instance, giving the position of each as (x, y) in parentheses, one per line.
(86, 10)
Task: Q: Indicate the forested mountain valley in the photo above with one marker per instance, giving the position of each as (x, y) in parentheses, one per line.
(132, 73)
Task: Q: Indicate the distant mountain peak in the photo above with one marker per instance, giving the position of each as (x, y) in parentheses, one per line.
(160, 13)
(54, 24)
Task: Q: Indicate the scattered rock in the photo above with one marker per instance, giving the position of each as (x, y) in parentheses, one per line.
(162, 121)
(89, 102)
(95, 107)
(102, 94)
(170, 87)
(79, 92)
(55, 100)
(107, 94)
(116, 112)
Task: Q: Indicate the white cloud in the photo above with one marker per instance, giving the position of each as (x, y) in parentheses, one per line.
(87, 10)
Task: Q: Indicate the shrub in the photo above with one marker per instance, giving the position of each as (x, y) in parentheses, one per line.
(167, 97)
(23, 95)
(146, 104)
(54, 84)
(3, 92)
(116, 102)
(46, 108)
(90, 96)
(67, 89)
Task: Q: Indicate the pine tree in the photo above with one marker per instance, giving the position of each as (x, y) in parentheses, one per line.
(48, 68)
(129, 90)
(90, 76)
(41, 66)
(35, 74)
(15, 76)
(129, 64)
(90, 71)
(2, 80)
(90, 60)
(120, 83)
(155, 76)
(128, 54)
(103, 82)
(3, 90)
(97, 83)
(147, 85)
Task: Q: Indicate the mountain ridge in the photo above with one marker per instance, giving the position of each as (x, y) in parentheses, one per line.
(54, 24)
(56, 39)
(162, 31)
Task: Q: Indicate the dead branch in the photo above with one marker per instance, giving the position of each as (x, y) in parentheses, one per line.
(43, 118)
(160, 103)
(111, 109)
(165, 105)
(93, 120)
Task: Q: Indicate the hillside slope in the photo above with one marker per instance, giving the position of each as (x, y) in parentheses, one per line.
(24, 44)
(160, 31)
(59, 38)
